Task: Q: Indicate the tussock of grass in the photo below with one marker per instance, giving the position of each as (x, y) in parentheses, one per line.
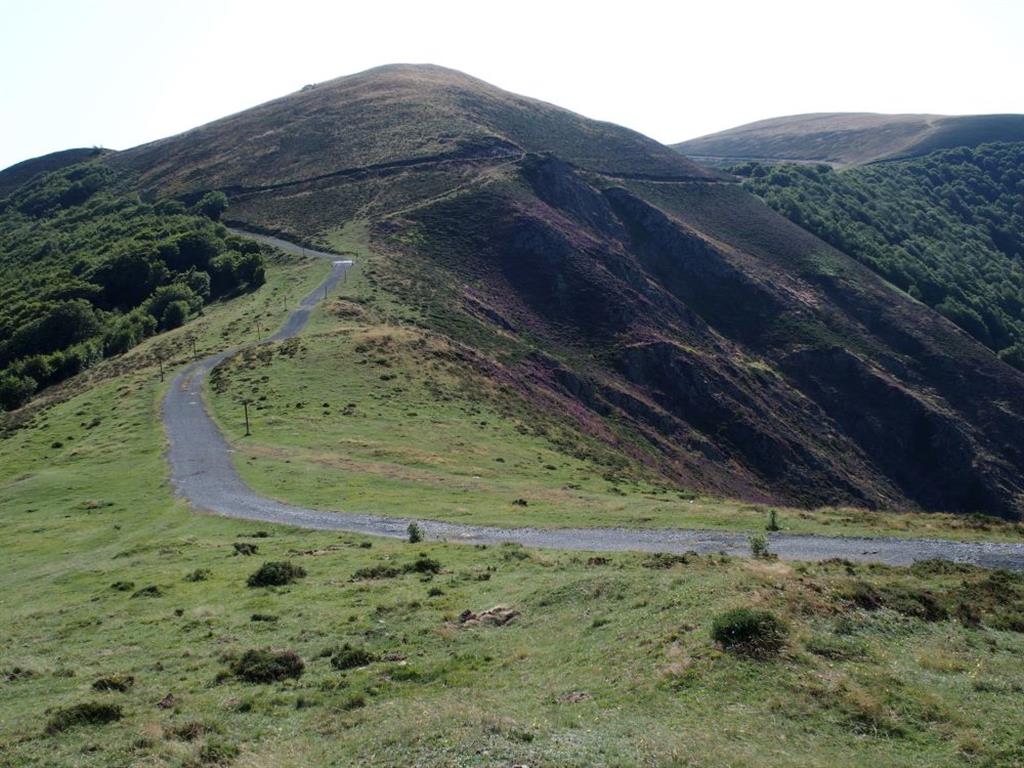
(86, 713)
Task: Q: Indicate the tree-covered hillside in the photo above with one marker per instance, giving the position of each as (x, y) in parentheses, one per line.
(88, 270)
(947, 228)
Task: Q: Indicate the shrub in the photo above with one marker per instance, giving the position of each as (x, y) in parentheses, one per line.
(773, 521)
(348, 657)
(749, 631)
(244, 548)
(123, 586)
(266, 617)
(86, 713)
(268, 666)
(212, 205)
(276, 574)
(199, 574)
(150, 591)
(415, 533)
(119, 683)
(759, 546)
(423, 564)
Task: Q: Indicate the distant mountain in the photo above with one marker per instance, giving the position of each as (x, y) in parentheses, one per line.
(628, 293)
(850, 138)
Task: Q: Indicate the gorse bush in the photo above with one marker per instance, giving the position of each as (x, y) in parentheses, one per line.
(268, 666)
(276, 574)
(107, 270)
(750, 632)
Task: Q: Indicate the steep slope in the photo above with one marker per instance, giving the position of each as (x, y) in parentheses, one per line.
(850, 138)
(625, 291)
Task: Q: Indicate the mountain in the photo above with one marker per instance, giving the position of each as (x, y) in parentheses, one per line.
(626, 292)
(850, 138)
(385, 119)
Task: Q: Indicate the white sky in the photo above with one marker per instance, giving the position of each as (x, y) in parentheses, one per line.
(117, 73)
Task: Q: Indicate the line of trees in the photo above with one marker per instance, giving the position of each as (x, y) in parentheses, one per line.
(88, 270)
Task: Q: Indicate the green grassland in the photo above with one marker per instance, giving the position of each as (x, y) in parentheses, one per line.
(609, 659)
(609, 662)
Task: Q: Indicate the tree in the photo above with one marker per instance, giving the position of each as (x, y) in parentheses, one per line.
(212, 205)
(15, 390)
(174, 314)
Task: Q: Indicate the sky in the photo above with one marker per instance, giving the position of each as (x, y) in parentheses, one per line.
(114, 73)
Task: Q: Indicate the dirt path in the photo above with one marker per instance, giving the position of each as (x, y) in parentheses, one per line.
(202, 472)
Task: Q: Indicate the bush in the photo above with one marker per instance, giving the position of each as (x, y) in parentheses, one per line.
(199, 574)
(276, 574)
(86, 713)
(424, 564)
(415, 533)
(750, 632)
(15, 391)
(759, 546)
(212, 205)
(773, 521)
(174, 315)
(348, 657)
(268, 666)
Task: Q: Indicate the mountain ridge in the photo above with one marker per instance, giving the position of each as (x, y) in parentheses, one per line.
(850, 138)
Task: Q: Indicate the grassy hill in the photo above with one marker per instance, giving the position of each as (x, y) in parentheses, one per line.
(850, 138)
(633, 297)
(946, 228)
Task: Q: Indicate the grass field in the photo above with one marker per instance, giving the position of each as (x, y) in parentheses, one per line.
(608, 660)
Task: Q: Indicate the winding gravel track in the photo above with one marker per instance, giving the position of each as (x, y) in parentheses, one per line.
(202, 473)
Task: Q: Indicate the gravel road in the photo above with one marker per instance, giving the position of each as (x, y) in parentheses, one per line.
(202, 473)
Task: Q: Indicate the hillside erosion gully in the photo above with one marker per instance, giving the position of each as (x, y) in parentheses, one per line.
(202, 473)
